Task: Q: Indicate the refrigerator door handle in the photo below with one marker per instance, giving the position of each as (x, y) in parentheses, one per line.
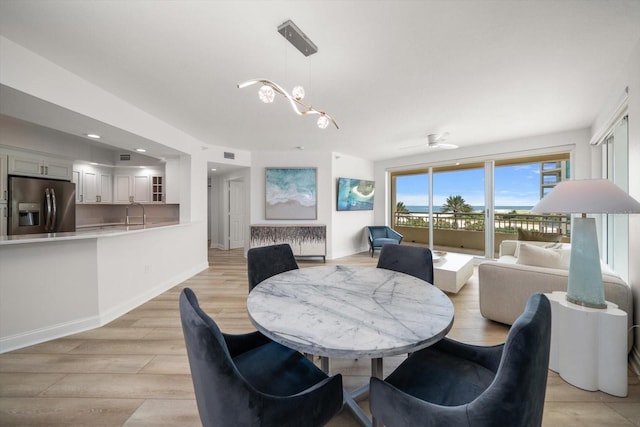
(54, 211)
(47, 209)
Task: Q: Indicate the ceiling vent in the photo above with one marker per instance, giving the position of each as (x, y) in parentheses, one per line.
(125, 157)
(228, 155)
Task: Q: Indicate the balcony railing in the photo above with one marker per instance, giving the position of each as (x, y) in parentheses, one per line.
(504, 222)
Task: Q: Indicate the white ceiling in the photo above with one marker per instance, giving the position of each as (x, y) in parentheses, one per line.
(390, 72)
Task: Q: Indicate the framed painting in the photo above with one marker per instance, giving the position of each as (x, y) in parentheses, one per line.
(291, 193)
(355, 194)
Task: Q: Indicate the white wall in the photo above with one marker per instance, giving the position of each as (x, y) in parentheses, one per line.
(348, 227)
(629, 77)
(294, 158)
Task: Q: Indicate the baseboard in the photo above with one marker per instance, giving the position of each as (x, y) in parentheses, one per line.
(49, 333)
(121, 309)
(634, 360)
(37, 336)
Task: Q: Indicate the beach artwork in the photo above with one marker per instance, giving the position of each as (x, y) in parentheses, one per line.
(291, 193)
(355, 194)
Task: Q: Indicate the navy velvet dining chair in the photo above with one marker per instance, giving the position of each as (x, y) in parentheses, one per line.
(414, 260)
(249, 380)
(455, 384)
(267, 261)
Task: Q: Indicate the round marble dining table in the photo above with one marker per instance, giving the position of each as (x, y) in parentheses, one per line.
(341, 311)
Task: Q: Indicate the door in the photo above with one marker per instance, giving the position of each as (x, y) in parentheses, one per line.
(89, 186)
(236, 214)
(141, 189)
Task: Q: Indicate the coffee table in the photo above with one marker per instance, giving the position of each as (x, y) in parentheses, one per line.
(452, 271)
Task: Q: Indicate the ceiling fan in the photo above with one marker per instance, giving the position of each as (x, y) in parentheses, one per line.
(434, 141)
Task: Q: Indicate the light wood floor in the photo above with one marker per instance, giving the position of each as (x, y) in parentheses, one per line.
(134, 371)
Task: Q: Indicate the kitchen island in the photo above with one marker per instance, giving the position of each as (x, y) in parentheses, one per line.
(53, 285)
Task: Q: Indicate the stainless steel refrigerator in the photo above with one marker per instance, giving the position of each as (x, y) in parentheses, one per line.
(39, 205)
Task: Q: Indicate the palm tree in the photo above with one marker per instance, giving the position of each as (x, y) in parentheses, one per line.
(401, 208)
(456, 204)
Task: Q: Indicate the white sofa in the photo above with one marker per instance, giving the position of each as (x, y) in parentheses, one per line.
(505, 285)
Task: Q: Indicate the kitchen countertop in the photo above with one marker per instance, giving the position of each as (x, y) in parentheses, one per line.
(85, 232)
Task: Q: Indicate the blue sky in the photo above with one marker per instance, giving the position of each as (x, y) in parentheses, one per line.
(516, 185)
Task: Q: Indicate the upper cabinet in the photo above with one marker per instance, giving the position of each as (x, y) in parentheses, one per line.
(140, 187)
(43, 167)
(4, 192)
(94, 184)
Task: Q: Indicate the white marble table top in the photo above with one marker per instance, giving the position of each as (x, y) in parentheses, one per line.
(350, 311)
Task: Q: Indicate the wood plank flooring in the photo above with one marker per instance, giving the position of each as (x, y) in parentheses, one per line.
(134, 371)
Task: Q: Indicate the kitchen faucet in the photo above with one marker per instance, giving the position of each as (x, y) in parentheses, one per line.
(144, 216)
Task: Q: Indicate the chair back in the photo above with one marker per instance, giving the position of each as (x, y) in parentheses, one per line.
(516, 396)
(218, 386)
(377, 231)
(416, 261)
(267, 261)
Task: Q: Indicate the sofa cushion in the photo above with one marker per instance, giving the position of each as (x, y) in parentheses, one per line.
(537, 256)
(534, 235)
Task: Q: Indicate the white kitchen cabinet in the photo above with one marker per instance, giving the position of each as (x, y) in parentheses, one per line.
(89, 186)
(141, 189)
(157, 189)
(76, 178)
(122, 190)
(93, 184)
(3, 219)
(4, 191)
(43, 167)
(105, 188)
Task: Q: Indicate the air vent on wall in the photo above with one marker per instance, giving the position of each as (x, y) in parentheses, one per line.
(125, 157)
(228, 155)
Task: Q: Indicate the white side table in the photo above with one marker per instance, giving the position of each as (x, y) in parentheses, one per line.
(589, 346)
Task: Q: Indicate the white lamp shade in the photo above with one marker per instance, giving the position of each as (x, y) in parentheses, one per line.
(587, 196)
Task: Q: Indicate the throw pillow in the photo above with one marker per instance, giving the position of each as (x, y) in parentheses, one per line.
(537, 256)
(535, 235)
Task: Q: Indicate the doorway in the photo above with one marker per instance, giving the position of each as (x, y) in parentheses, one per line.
(236, 214)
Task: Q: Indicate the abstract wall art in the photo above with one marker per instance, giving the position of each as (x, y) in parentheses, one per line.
(291, 193)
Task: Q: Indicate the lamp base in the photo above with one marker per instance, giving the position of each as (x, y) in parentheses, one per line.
(585, 304)
(585, 286)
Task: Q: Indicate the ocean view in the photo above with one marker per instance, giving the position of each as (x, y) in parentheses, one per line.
(437, 209)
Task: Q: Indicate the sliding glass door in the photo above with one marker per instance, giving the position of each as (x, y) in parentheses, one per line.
(473, 207)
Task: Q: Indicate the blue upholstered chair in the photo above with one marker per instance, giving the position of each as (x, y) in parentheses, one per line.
(380, 235)
(249, 380)
(454, 384)
(414, 260)
(267, 261)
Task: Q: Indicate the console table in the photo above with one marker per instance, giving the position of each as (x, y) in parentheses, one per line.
(306, 240)
(588, 345)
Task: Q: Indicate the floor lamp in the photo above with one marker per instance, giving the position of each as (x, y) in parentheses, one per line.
(588, 196)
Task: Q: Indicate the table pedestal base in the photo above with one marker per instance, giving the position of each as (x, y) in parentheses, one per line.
(351, 399)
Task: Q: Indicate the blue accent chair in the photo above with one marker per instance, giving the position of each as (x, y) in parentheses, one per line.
(416, 261)
(267, 261)
(380, 235)
(249, 380)
(455, 384)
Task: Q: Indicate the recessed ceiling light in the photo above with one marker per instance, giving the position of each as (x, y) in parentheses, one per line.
(141, 150)
(213, 169)
(92, 135)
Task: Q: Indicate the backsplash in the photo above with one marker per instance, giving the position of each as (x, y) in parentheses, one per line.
(94, 214)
